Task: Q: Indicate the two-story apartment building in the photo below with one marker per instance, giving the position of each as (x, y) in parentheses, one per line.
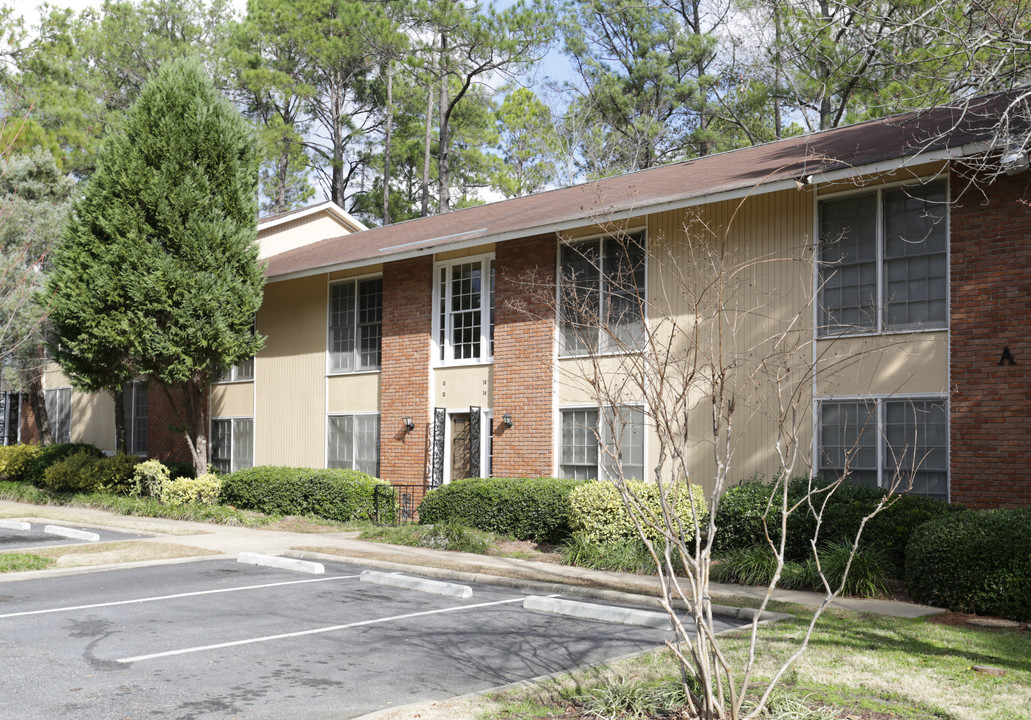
(447, 346)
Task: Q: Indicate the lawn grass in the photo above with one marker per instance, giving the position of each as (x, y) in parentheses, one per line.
(18, 562)
(862, 666)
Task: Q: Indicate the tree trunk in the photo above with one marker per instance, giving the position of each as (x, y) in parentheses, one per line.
(428, 144)
(443, 137)
(386, 143)
(38, 403)
(189, 403)
(121, 440)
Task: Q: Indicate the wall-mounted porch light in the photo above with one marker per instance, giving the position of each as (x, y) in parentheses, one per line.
(506, 420)
(408, 423)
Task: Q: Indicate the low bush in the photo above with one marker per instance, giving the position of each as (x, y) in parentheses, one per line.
(597, 511)
(343, 495)
(75, 473)
(739, 518)
(149, 478)
(978, 561)
(178, 469)
(16, 459)
(535, 509)
(54, 453)
(115, 473)
(180, 491)
(630, 556)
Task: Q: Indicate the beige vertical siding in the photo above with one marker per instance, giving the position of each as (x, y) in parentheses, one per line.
(290, 374)
(232, 399)
(459, 388)
(904, 364)
(767, 240)
(297, 233)
(92, 416)
(465, 252)
(357, 393)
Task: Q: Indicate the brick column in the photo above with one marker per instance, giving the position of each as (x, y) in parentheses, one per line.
(990, 430)
(405, 374)
(524, 346)
(27, 421)
(164, 443)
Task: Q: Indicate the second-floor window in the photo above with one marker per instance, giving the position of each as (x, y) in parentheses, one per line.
(355, 325)
(883, 261)
(464, 318)
(601, 295)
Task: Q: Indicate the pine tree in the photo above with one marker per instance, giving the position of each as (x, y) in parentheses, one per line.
(157, 273)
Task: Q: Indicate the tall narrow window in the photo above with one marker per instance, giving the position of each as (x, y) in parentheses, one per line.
(59, 412)
(232, 444)
(135, 401)
(602, 295)
(465, 310)
(355, 325)
(883, 261)
(354, 443)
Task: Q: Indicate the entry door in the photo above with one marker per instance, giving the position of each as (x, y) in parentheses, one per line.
(461, 458)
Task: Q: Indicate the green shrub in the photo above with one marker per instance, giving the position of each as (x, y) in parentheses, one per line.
(178, 469)
(457, 537)
(343, 495)
(115, 473)
(75, 473)
(180, 491)
(630, 556)
(597, 511)
(739, 519)
(16, 459)
(978, 561)
(54, 453)
(149, 478)
(534, 509)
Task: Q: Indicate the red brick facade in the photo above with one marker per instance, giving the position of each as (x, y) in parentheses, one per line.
(524, 347)
(405, 373)
(27, 420)
(990, 443)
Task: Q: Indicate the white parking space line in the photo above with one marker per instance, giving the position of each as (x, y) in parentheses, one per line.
(314, 631)
(158, 598)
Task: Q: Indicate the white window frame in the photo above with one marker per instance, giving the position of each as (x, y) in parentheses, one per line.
(599, 435)
(880, 328)
(599, 240)
(354, 439)
(880, 429)
(233, 421)
(356, 354)
(443, 345)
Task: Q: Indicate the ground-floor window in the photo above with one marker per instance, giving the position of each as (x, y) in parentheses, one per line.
(887, 442)
(354, 443)
(232, 443)
(136, 417)
(59, 412)
(593, 449)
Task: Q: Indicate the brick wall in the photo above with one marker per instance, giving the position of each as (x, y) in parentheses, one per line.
(405, 373)
(164, 443)
(27, 420)
(524, 338)
(991, 310)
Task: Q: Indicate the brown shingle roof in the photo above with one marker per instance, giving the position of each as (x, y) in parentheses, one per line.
(759, 168)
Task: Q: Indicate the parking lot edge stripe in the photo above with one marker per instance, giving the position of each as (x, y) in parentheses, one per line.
(173, 597)
(313, 631)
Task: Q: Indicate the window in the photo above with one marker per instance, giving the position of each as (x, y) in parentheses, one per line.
(241, 371)
(883, 260)
(464, 320)
(59, 411)
(135, 399)
(232, 444)
(354, 443)
(601, 295)
(887, 443)
(582, 458)
(355, 325)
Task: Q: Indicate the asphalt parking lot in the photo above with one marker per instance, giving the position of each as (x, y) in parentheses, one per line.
(220, 639)
(18, 539)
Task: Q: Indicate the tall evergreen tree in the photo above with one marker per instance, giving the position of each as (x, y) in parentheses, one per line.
(157, 273)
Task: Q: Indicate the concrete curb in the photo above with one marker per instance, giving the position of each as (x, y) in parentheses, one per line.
(592, 611)
(72, 533)
(434, 587)
(282, 563)
(15, 525)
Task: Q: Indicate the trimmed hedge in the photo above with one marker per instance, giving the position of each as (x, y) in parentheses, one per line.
(597, 512)
(534, 509)
(183, 490)
(739, 518)
(55, 453)
(115, 473)
(16, 459)
(342, 495)
(75, 473)
(978, 561)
